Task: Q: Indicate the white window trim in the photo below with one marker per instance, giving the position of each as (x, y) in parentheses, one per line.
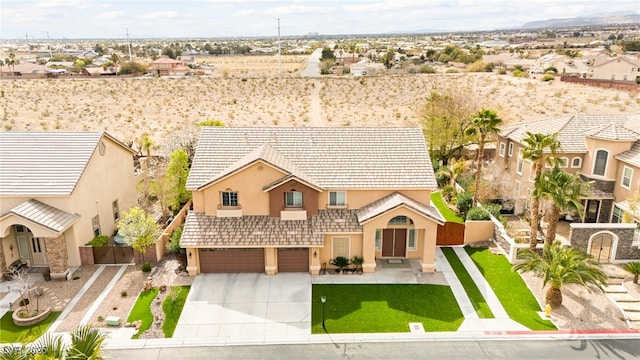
(294, 205)
(510, 152)
(502, 149)
(595, 158)
(348, 238)
(624, 169)
(613, 212)
(579, 162)
(378, 246)
(336, 206)
(229, 206)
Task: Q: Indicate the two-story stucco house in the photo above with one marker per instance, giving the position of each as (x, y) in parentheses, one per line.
(58, 190)
(604, 150)
(291, 199)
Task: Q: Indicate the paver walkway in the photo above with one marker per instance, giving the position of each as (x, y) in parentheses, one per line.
(616, 291)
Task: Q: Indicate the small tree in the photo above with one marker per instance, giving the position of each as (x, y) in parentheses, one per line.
(178, 172)
(138, 229)
(341, 262)
(633, 268)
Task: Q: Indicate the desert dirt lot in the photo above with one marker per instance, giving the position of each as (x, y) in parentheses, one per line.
(128, 108)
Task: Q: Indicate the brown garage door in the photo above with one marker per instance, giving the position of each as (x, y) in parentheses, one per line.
(293, 260)
(231, 260)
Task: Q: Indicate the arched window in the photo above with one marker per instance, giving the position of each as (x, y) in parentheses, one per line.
(400, 220)
(576, 162)
(600, 165)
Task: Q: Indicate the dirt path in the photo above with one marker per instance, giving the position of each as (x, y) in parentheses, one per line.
(315, 110)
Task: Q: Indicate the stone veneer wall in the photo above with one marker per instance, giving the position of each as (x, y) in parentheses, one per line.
(580, 234)
(57, 257)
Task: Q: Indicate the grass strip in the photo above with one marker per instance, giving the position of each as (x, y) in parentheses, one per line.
(448, 214)
(172, 307)
(10, 333)
(142, 311)
(477, 300)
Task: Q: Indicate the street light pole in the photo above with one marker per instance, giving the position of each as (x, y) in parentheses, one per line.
(323, 299)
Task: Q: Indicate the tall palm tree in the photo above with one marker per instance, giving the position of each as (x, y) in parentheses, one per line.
(86, 343)
(484, 123)
(565, 191)
(536, 147)
(562, 265)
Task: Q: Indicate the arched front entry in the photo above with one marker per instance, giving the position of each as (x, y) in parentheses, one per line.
(602, 246)
(30, 249)
(398, 235)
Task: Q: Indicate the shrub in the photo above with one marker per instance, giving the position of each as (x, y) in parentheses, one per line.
(547, 77)
(146, 267)
(480, 66)
(123, 293)
(519, 73)
(174, 245)
(131, 68)
(552, 69)
(448, 192)
(502, 71)
(100, 240)
(477, 213)
(464, 202)
(493, 209)
(426, 69)
(100, 318)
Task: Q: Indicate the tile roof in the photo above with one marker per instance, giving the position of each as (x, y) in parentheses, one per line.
(44, 163)
(347, 158)
(336, 221)
(44, 215)
(572, 130)
(631, 156)
(393, 201)
(247, 231)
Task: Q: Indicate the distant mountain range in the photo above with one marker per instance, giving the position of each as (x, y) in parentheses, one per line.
(606, 19)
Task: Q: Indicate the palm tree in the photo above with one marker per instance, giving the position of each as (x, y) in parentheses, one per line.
(562, 265)
(536, 145)
(485, 122)
(454, 171)
(11, 62)
(633, 268)
(86, 343)
(564, 191)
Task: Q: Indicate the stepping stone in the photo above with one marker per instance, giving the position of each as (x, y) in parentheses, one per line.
(623, 297)
(614, 281)
(630, 306)
(615, 289)
(633, 316)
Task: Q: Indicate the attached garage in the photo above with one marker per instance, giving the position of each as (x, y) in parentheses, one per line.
(221, 260)
(293, 260)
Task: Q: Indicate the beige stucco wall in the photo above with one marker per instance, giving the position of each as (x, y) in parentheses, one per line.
(619, 67)
(248, 183)
(613, 147)
(359, 198)
(325, 254)
(475, 231)
(621, 192)
(106, 178)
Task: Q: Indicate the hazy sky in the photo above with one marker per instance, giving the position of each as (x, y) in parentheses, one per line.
(223, 18)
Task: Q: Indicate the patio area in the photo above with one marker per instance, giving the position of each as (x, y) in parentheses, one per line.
(388, 271)
(518, 226)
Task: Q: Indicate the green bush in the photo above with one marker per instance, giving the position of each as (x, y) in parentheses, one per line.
(426, 69)
(547, 77)
(519, 73)
(552, 69)
(493, 209)
(477, 213)
(174, 245)
(132, 68)
(448, 192)
(100, 240)
(464, 202)
(146, 267)
(502, 71)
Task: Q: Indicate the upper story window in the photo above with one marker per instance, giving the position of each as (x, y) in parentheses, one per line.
(576, 162)
(616, 217)
(116, 210)
(293, 199)
(520, 162)
(627, 174)
(337, 198)
(230, 198)
(600, 164)
(510, 152)
(401, 220)
(502, 148)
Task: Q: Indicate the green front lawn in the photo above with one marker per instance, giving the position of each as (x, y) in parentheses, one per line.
(510, 289)
(477, 300)
(142, 310)
(10, 333)
(172, 308)
(377, 308)
(449, 215)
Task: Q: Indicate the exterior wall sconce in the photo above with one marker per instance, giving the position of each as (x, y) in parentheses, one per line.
(190, 254)
(315, 254)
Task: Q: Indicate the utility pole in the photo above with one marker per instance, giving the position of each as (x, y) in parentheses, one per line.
(49, 43)
(129, 41)
(279, 54)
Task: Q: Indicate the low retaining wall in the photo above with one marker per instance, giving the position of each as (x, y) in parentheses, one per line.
(31, 320)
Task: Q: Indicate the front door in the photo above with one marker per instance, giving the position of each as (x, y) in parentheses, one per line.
(38, 251)
(394, 242)
(591, 212)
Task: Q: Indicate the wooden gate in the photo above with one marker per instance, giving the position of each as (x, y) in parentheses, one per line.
(450, 233)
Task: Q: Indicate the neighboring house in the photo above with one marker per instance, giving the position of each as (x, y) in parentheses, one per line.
(165, 66)
(602, 149)
(622, 67)
(99, 71)
(58, 190)
(292, 199)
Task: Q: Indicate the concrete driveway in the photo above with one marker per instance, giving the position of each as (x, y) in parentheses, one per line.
(246, 305)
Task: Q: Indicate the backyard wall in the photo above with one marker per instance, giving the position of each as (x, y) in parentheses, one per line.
(624, 250)
(163, 239)
(478, 231)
